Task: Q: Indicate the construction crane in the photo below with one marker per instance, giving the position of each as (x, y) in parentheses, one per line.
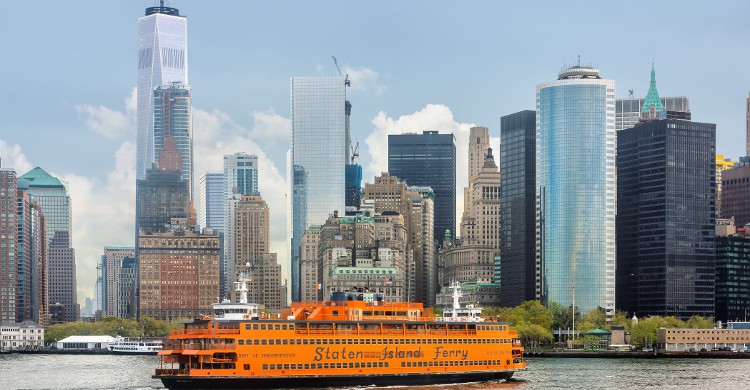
(346, 79)
(355, 152)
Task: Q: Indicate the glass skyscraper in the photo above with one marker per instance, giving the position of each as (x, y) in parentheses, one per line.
(162, 59)
(519, 274)
(318, 156)
(428, 159)
(172, 118)
(211, 203)
(576, 184)
(240, 174)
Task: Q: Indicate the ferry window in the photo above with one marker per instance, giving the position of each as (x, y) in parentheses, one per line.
(318, 341)
(255, 326)
(325, 365)
(403, 364)
(338, 365)
(386, 364)
(348, 341)
(283, 327)
(338, 341)
(335, 312)
(286, 366)
(246, 367)
(273, 366)
(256, 342)
(291, 326)
(247, 326)
(241, 342)
(265, 366)
(304, 341)
(367, 341)
(277, 327)
(356, 365)
(263, 342)
(262, 326)
(294, 366)
(325, 341)
(307, 366)
(278, 341)
(285, 341)
(356, 341)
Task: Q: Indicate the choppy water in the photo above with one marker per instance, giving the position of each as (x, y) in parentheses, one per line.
(83, 372)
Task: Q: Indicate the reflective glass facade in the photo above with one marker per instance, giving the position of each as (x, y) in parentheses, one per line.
(172, 118)
(162, 59)
(666, 218)
(518, 266)
(428, 159)
(319, 154)
(732, 278)
(575, 170)
(241, 174)
(212, 198)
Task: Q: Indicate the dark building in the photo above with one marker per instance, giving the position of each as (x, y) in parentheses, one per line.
(428, 159)
(518, 263)
(735, 194)
(353, 182)
(665, 218)
(163, 195)
(732, 278)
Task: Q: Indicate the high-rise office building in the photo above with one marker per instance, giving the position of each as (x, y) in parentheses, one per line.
(162, 59)
(519, 267)
(161, 196)
(31, 257)
(112, 260)
(735, 194)
(8, 251)
(629, 112)
(52, 196)
(747, 126)
(211, 201)
(173, 119)
(353, 185)
(722, 164)
(310, 284)
(732, 272)
(575, 172)
(319, 153)
(126, 288)
(240, 174)
(428, 159)
(666, 218)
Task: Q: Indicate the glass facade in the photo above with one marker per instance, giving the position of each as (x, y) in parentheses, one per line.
(172, 118)
(428, 159)
(732, 278)
(211, 203)
(240, 174)
(319, 153)
(666, 218)
(518, 263)
(628, 111)
(575, 170)
(353, 185)
(162, 59)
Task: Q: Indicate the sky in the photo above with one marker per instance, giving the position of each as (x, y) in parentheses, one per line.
(68, 74)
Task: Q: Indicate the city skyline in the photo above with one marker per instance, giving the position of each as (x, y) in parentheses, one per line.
(241, 95)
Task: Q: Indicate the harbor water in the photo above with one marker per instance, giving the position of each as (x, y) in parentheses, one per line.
(80, 372)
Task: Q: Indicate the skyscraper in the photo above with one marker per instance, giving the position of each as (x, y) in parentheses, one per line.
(575, 171)
(428, 159)
(173, 122)
(735, 194)
(722, 164)
(211, 201)
(112, 261)
(666, 218)
(240, 174)
(162, 59)
(519, 272)
(8, 252)
(319, 153)
(52, 196)
(629, 112)
(747, 126)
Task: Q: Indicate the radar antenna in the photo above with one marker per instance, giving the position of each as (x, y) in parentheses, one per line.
(346, 79)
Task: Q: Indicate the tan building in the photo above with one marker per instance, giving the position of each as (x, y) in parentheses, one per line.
(479, 142)
(309, 284)
(472, 257)
(179, 274)
(252, 244)
(113, 257)
(722, 164)
(698, 339)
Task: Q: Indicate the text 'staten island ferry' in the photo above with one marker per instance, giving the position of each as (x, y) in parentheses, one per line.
(353, 340)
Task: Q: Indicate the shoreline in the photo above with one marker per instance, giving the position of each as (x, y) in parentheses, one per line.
(639, 355)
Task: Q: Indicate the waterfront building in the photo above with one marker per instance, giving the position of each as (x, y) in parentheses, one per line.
(21, 336)
(732, 277)
(722, 164)
(629, 112)
(211, 199)
(51, 195)
(162, 60)
(88, 343)
(735, 194)
(471, 258)
(126, 288)
(575, 172)
(311, 288)
(252, 246)
(320, 144)
(8, 250)
(472, 293)
(178, 272)
(685, 339)
(519, 262)
(428, 159)
(666, 218)
(173, 120)
(111, 263)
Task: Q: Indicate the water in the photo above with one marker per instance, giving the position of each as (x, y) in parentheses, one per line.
(83, 372)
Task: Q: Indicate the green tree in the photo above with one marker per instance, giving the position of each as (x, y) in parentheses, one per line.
(699, 322)
(533, 335)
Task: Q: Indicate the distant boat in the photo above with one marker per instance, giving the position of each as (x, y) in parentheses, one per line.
(125, 346)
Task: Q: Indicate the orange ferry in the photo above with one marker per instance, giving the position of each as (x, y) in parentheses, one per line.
(355, 339)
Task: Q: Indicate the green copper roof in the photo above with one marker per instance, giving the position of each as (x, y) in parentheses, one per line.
(40, 178)
(652, 97)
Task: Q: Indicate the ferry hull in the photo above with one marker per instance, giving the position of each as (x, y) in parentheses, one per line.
(186, 382)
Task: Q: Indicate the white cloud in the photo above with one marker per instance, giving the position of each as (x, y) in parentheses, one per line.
(364, 79)
(11, 156)
(105, 121)
(269, 125)
(432, 117)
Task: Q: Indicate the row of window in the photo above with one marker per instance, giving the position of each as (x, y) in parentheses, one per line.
(367, 341)
(313, 366)
(453, 363)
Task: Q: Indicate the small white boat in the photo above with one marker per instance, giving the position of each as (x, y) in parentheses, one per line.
(125, 346)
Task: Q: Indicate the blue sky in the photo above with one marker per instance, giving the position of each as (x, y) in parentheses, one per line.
(69, 69)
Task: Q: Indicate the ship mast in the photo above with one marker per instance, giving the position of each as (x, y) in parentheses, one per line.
(242, 281)
(456, 287)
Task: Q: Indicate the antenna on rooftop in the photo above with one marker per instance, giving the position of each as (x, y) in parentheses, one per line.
(630, 91)
(346, 79)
